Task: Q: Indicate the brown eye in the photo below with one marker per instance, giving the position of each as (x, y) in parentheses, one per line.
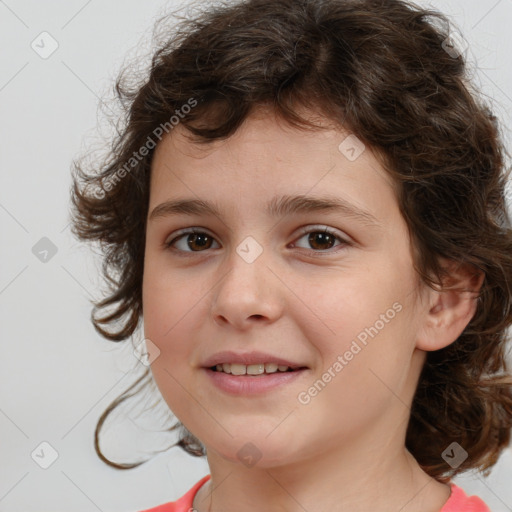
(198, 241)
(191, 241)
(321, 240)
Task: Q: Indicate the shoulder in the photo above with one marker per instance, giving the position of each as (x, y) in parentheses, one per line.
(459, 501)
(183, 504)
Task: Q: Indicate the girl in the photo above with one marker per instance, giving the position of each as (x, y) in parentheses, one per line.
(306, 207)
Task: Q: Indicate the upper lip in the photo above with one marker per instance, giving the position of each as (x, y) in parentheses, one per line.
(248, 358)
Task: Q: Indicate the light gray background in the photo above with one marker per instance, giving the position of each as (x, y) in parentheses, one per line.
(57, 374)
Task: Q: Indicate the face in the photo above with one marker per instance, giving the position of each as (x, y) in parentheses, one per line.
(332, 290)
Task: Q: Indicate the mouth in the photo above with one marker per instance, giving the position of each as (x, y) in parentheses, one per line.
(254, 370)
(255, 379)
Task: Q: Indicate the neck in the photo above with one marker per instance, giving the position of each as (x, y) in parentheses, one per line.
(368, 479)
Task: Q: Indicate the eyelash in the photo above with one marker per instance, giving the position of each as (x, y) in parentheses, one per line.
(304, 232)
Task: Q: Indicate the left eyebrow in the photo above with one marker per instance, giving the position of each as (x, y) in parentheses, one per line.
(279, 206)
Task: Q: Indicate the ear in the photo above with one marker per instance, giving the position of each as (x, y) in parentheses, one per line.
(449, 310)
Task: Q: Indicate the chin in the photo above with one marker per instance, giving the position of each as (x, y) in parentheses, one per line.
(255, 452)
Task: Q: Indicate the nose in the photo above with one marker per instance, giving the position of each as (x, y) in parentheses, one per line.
(248, 292)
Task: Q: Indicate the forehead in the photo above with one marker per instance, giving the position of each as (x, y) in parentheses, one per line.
(268, 157)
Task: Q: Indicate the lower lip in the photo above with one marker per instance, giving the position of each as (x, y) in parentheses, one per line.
(248, 385)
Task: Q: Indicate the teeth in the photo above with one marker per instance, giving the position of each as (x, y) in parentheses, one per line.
(251, 369)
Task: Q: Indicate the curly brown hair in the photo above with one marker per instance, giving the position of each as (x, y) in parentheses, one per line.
(383, 70)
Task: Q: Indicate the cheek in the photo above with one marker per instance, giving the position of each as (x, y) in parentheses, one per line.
(367, 319)
(169, 320)
(355, 301)
(364, 372)
(167, 300)
(168, 326)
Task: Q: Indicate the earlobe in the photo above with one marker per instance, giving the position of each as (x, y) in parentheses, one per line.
(450, 310)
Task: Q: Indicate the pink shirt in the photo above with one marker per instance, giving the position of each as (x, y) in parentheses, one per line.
(457, 502)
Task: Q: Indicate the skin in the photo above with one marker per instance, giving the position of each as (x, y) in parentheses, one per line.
(345, 449)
